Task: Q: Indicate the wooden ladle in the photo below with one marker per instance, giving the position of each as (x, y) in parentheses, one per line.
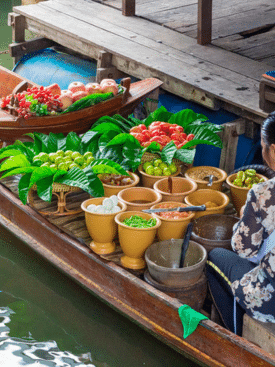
(170, 185)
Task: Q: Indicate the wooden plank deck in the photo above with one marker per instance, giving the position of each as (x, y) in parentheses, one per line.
(142, 48)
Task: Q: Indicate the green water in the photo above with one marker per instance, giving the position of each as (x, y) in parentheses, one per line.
(48, 320)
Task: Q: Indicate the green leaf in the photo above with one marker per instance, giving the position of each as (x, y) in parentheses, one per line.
(73, 142)
(23, 187)
(41, 173)
(56, 142)
(108, 162)
(204, 136)
(185, 155)
(14, 162)
(168, 152)
(10, 153)
(160, 114)
(123, 139)
(18, 171)
(88, 137)
(106, 138)
(107, 126)
(44, 185)
(186, 117)
(41, 142)
(27, 148)
(78, 178)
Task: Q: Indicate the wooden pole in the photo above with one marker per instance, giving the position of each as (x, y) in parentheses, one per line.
(204, 22)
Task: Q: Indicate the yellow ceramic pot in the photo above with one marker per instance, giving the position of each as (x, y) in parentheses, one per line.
(139, 198)
(208, 197)
(197, 174)
(150, 180)
(181, 187)
(172, 228)
(134, 241)
(110, 190)
(101, 227)
(239, 194)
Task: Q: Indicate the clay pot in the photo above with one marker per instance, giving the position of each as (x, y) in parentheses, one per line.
(163, 258)
(172, 228)
(200, 197)
(110, 190)
(139, 198)
(191, 173)
(239, 194)
(215, 230)
(134, 241)
(150, 180)
(101, 227)
(181, 187)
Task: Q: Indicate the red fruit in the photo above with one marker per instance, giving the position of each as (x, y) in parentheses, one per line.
(109, 87)
(183, 136)
(107, 81)
(181, 144)
(154, 125)
(135, 129)
(143, 127)
(66, 100)
(146, 134)
(165, 126)
(77, 87)
(78, 95)
(54, 88)
(146, 143)
(190, 137)
(93, 88)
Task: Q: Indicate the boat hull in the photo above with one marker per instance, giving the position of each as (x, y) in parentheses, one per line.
(151, 309)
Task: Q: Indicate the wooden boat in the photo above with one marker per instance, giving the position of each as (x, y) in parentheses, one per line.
(63, 241)
(12, 127)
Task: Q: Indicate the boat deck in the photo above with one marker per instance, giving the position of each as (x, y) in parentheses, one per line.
(142, 48)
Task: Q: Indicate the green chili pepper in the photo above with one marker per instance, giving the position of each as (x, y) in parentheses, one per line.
(139, 222)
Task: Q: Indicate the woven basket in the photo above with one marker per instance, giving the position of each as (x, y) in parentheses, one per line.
(59, 187)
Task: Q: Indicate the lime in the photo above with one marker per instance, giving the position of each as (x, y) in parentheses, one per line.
(72, 165)
(58, 160)
(60, 153)
(46, 164)
(163, 165)
(157, 162)
(52, 157)
(157, 171)
(53, 166)
(63, 166)
(167, 172)
(68, 153)
(89, 160)
(88, 155)
(79, 160)
(150, 170)
(147, 164)
(75, 155)
(173, 168)
(44, 157)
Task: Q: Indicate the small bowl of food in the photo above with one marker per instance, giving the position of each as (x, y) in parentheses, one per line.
(114, 183)
(154, 170)
(173, 224)
(139, 198)
(136, 232)
(201, 175)
(240, 183)
(214, 200)
(175, 189)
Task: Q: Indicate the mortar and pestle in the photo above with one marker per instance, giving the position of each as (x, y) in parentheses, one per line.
(176, 268)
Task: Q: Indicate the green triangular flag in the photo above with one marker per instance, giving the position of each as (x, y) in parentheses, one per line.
(190, 319)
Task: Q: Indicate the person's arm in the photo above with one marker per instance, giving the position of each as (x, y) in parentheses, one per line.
(248, 233)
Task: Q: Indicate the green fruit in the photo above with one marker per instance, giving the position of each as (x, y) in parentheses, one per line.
(167, 172)
(79, 161)
(46, 164)
(58, 160)
(52, 157)
(37, 161)
(75, 155)
(68, 153)
(163, 165)
(150, 170)
(63, 166)
(173, 168)
(146, 164)
(44, 157)
(157, 171)
(84, 165)
(60, 153)
(68, 161)
(89, 160)
(88, 155)
(72, 165)
(53, 166)
(157, 162)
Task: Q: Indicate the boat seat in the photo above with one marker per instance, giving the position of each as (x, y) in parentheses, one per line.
(259, 333)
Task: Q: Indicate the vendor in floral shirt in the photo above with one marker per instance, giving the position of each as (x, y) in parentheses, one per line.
(233, 274)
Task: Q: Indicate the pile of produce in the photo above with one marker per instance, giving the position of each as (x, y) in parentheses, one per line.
(51, 100)
(170, 135)
(247, 179)
(139, 222)
(68, 161)
(109, 206)
(157, 167)
(162, 133)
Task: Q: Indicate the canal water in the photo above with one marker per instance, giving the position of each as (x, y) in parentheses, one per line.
(48, 320)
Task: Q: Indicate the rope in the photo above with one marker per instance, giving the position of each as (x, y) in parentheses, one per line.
(4, 52)
(219, 271)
